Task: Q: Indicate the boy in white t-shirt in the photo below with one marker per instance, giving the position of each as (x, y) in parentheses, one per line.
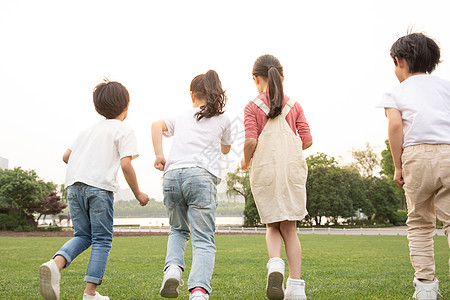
(93, 161)
(418, 111)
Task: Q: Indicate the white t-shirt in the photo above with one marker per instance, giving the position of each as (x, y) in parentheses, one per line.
(424, 102)
(197, 143)
(96, 154)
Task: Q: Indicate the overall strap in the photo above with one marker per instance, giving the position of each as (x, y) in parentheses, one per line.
(290, 104)
(261, 105)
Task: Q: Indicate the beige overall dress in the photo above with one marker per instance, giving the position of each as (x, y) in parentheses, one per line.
(278, 171)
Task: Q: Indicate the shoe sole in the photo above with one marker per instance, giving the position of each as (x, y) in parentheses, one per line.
(45, 286)
(169, 290)
(274, 289)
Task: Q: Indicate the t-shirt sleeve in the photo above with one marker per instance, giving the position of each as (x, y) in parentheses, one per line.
(250, 125)
(127, 145)
(76, 142)
(302, 125)
(226, 139)
(170, 123)
(387, 101)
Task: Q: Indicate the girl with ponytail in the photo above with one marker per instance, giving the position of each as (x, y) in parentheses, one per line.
(278, 172)
(191, 174)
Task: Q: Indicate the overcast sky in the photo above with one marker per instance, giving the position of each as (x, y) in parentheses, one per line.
(335, 56)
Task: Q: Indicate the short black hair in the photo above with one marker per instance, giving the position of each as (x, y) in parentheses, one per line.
(111, 98)
(421, 52)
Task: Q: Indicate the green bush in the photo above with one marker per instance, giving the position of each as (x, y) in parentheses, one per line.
(11, 221)
(399, 218)
(8, 222)
(24, 228)
(15, 222)
(50, 228)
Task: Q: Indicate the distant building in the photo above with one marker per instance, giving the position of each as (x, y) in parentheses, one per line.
(3, 163)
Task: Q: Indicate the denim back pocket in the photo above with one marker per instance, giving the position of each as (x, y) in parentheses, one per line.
(74, 205)
(98, 200)
(171, 193)
(201, 191)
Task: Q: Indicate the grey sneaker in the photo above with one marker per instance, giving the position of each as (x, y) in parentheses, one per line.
(171, 281)
(49, 277)
(275, 279)
(426, 291)
(96, 297)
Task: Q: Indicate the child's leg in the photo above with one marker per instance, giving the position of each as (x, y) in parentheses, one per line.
(421, 225)
(178, 237)
(179, 224)
(419, 174)
(442, 198)
(101, 219)
(275, 265)
(49, 272)
(60, 261)
(199, 187)
(79, 212)
(293, 248)
(273, 239)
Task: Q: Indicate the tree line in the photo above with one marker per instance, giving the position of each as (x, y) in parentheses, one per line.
(156, 209)
(25, 198)
(339, 192)
(335, 192)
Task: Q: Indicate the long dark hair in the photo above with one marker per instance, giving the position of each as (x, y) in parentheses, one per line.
(207, 86)
(269, 67)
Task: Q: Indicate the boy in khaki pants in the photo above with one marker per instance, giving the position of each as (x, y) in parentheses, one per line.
(418, 112)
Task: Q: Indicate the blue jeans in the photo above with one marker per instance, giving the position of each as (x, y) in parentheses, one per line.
(91, 210)
(190, 199)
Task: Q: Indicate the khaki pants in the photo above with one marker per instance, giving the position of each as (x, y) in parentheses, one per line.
(426, 173)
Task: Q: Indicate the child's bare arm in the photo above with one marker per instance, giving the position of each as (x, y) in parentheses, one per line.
(66, 155)
(157, 131)
(130, 177)
(249, 149)
(395, 133)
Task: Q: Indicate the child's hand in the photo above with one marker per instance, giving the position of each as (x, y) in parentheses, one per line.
(160, 162)
(398, 177)
(244, 164)
(142, 198)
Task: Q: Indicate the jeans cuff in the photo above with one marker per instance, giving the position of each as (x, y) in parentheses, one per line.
(94, 280)
(66, 257)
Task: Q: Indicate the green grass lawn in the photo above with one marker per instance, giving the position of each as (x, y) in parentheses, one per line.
(334, 267)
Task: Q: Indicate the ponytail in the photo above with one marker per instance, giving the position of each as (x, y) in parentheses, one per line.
(269, 67)
(208, 86)
(276, 94)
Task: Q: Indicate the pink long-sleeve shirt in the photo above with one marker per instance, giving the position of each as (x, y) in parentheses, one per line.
(255, 119)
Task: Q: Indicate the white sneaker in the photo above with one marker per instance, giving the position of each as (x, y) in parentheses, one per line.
(96, 297)
(171, 281)
(49, 277)
(198, 295)
(275, 278)
(295, 289)
(426, 291)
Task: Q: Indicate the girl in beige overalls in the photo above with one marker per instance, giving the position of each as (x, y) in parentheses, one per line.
(278, 173)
